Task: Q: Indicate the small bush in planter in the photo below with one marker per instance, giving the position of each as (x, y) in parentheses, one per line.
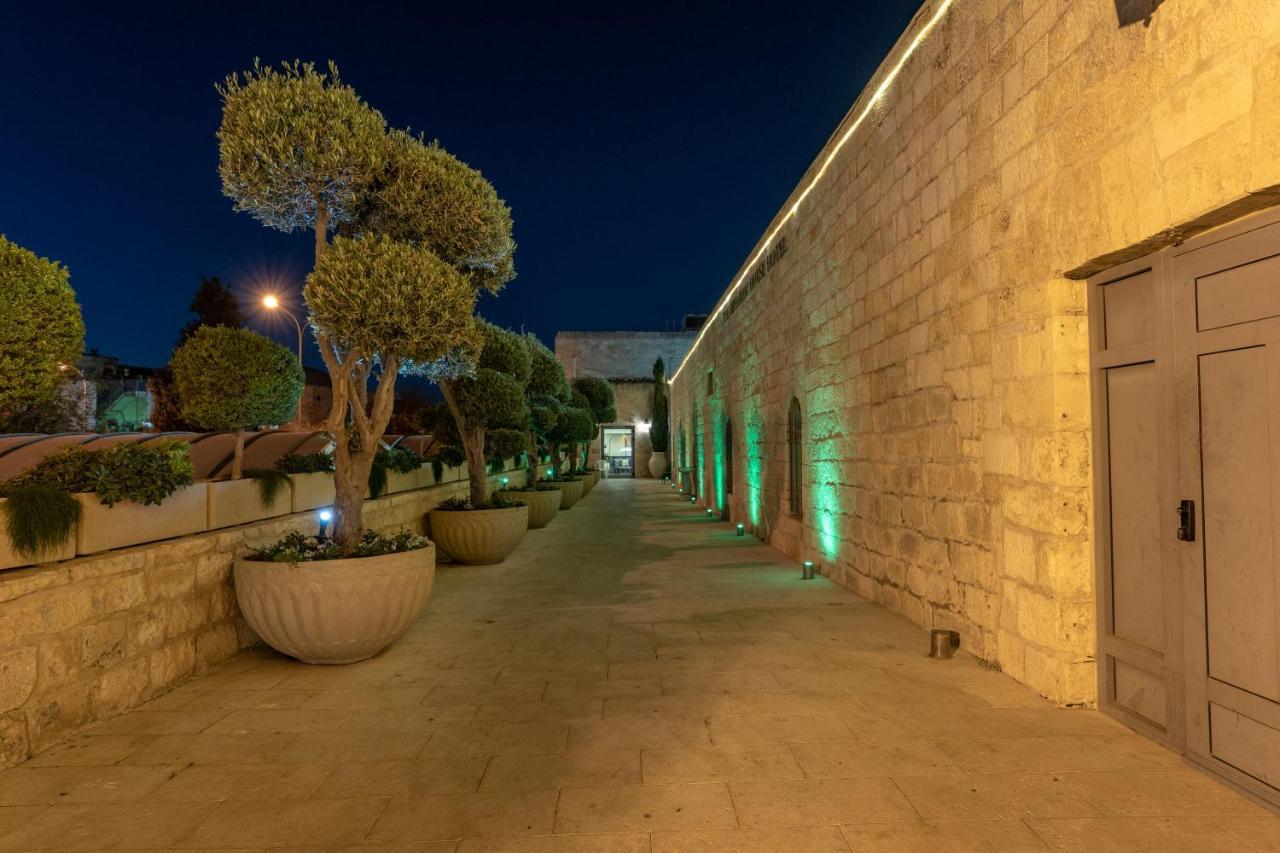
(297, 548)
(39, 512)
(305, 463)
(495, 501)
(401, 460)
(596, 396)
(545, 395)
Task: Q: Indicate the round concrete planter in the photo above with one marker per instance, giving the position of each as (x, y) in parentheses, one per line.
(657, 465)
(543, 505)
(335, 611)
(479, 535)
(570, 492)
(588, 482)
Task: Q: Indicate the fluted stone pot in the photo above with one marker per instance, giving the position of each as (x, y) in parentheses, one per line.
(588, 482)
(543, 505)
(479, 535)
(570, 492)
(335, 611)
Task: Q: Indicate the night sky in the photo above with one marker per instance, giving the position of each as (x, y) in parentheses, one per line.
(642, 153)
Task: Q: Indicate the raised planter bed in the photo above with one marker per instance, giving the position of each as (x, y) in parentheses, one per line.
(102, 528)
(479, 535)
(233, 502)
(311, 491)
(11, 559)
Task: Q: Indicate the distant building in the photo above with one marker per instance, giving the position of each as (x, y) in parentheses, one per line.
(626, 360)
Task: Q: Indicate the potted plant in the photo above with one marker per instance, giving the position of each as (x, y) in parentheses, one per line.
(658, 432)
(234, 379)
(573, 426)
(484, 412)
(597, 396)
(419, 235)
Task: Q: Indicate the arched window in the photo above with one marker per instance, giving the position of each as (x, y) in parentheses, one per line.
(728, 456)
(794, 477)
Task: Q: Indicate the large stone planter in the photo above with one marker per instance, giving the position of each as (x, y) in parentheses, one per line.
(335, 611)
(233, 502)
(657, 465)
(11, 559)
(312, 491)
(479, 535)
(543, 505)
(588, 482)
(570, 492)
(102, 528)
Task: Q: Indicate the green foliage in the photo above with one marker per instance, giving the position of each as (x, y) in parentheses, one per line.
(297, 548)
(491, 400)
(38, 518)
(451, 455)
(544, 413)
(234, 379)
(60, 413)
(270, 482)
(659, 432)
(503, 444)
(598, 396)
(305, 463)
(504, 351)
(546, 374)
(377, 480)
(214, 305)
(494, 501)
(144, 472)
(376, 296)
(166, 413)
(426, 196)
(41, 330)
(574, 425)
(402, 460)
(293, 140)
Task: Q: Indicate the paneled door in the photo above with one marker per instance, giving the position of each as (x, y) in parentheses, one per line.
(1185, 374)
(1226, 292)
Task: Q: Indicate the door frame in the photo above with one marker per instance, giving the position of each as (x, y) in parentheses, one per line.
(620, 428)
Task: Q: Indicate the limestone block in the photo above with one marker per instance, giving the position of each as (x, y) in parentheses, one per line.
(172, 662)
(14, 745)
(103, 643)
(102, 528)
(1208, 101)
(17, 678)
(235, 502)
(121, 687)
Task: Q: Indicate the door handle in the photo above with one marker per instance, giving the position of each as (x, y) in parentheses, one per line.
(1187, 521)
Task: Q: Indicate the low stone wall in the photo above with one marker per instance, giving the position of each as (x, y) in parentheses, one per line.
(86, 639)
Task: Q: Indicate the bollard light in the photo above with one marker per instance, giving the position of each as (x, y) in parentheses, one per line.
(710, 512)
(742, 528)
(806, 573)
(692, 498)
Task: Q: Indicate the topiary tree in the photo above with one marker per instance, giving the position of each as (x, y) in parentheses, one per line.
(299, 149)
(597, 399)
(659, 433)
(574, 426)
(41, 330)
(235, 379)
(545, 396)
(489, 417)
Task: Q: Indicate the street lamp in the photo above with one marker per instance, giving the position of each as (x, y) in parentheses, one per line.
(272, 303)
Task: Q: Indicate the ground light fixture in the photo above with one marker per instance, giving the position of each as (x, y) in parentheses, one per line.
(742, 529)
(806, 571)
(326, 517)
(710, 512)
(504, 481)
(692, 498)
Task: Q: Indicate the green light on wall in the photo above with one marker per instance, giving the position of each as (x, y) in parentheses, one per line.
(754, 434)
(823, 448)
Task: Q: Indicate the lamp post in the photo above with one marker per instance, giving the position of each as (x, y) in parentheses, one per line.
(272, 303)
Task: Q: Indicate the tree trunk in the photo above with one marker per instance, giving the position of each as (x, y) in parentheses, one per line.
(553, 450)
(533, 462)
(477, 469)
(573, 457)
(350, 481)
(237, 458)
(322, 230)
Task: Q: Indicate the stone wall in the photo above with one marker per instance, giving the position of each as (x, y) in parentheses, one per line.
(620, 355)
(86, 639)
(634, 403)
(921, 312)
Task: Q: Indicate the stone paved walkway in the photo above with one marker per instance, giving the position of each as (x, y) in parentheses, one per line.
(635, 679)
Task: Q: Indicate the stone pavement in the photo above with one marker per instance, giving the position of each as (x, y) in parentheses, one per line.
(634, 679)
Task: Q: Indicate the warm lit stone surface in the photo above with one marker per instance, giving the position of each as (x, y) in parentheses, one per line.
(634, 679)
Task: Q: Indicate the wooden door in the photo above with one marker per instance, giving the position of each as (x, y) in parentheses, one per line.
(1226, 289)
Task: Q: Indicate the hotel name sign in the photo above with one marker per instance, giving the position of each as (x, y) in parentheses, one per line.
(767, 263)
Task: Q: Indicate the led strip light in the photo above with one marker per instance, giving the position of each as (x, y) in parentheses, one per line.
(835, 150)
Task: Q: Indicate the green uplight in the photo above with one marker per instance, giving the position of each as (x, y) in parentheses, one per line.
(826, 429)
(742, 528)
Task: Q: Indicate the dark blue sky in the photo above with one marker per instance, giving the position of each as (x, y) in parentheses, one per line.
(641, 152)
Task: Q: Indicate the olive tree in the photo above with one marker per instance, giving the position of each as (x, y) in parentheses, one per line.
(41, 330)
(545, 394)
(596, 396)
(300, 150)
(378, 304)
(235, 379)
(488, 415)
(574, 426)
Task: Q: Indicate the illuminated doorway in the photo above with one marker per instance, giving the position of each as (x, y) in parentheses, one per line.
(618, 450)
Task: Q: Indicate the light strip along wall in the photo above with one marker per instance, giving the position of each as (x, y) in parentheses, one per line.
(879, 93)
